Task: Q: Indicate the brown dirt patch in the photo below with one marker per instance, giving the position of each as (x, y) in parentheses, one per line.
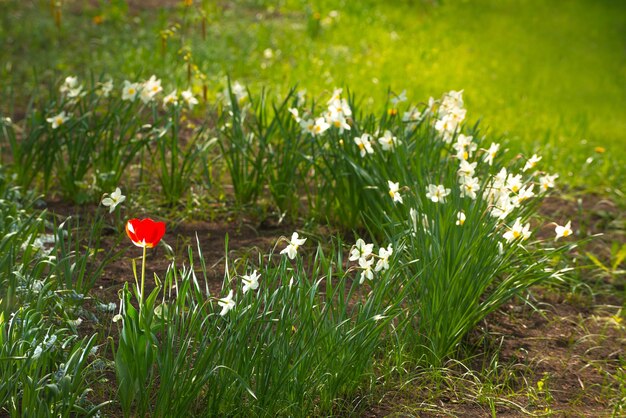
(573, 349)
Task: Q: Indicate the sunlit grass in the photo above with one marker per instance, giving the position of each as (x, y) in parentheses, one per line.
(542, 74)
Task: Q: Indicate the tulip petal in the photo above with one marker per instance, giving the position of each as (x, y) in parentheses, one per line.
(145, 232)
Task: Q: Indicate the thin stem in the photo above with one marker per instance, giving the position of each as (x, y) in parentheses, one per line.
(143, 275)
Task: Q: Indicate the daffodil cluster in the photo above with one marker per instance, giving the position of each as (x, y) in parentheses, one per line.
(365, 257)
(337, 114)
(148, 90)
(249, 281)
(503, 192)
(450, 114)
(388, 142)
(71, 89)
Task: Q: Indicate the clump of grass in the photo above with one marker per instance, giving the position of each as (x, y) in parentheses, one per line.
(44, 365)
(424, 180)
(286, 339)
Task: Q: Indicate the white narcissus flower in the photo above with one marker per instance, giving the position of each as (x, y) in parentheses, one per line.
(430, 108)
(525, 193)
(307, 126)
(364, 144)
(383, 258)
(340, 106)
(457, 115)
(411, 115)
(446, 127)
(130, 91)
(491, 153)
(113, 199)
(449, 122)
(58, 120)
(226, 303)
(499, 180)
(514, 183)
(388, 142)
(301, 96)
(292, 248)
(563, 231)
(338, 120)
(547, 182)
(170, 99)
(149, 89)
(320, 126)
(394, 191)
(106, 88)
(250, 282)
(451, 101)
(336, 95)
(437, 193)
(460, 218)
(238, 90)
(71, 88)
(469, 187)
(398, 99)
(360, 250)
(464, 147)
(517, 231)
(77, 92)
(189, 99)
(466, 169)
(531, 162)
(294, 112)
(502, 207)
(366, 267)
(70, 83)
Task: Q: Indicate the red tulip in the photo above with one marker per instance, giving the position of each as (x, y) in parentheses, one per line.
(145, 233)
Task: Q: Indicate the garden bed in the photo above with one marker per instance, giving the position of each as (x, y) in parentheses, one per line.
(557, 354)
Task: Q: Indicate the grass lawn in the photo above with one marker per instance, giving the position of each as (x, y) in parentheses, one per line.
(548, 76)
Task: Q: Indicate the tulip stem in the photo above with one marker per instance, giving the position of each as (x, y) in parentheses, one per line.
(143, 274)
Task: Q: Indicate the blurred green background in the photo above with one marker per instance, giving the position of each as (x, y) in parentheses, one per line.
(546, 76)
